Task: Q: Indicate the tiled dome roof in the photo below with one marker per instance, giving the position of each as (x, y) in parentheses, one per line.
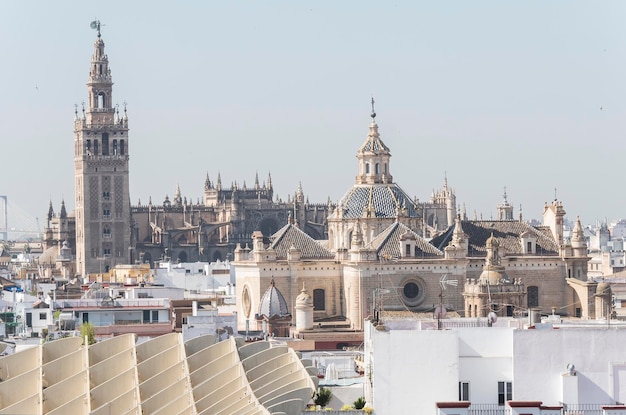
(273, 303)
(383, 200)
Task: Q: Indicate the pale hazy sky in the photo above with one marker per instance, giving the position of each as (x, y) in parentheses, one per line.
(529, 95)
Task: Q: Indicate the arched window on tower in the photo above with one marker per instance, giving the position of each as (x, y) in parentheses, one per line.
(88, 147)
(106, 232)
(319, 299)
(367, 168)
(95, 147)
(122, 147)
(377, 169)
(385, 168)
(115, 147)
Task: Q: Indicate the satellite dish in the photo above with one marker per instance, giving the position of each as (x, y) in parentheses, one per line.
(440, 312)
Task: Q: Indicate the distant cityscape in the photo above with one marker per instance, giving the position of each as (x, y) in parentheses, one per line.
(241, 302)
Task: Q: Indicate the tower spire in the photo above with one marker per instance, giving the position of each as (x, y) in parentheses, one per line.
(101, 169)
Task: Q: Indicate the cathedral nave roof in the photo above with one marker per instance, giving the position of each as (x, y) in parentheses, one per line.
(387, 243)
(506, 232)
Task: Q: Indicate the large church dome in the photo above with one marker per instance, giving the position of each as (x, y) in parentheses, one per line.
(374, 194)
(376, 200)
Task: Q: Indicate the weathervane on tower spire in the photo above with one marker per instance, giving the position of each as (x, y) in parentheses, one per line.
(96, 25)
(373, 114)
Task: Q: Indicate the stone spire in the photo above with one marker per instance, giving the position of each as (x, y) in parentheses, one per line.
(299, 194)
(579, 243)
(178, 201)
(50, 213)
(63, 214)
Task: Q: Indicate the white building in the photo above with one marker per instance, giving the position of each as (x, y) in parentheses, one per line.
(410, 370)
(197, 277)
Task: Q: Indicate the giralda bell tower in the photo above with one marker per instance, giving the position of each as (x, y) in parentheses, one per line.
(103, 235)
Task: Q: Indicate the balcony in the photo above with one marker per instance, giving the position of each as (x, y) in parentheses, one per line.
(568, 409)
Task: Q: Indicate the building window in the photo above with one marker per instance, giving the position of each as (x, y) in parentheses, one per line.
(105, 144)
(529, 247)
(505, 392)
(533, 296)
(115, 147)
(407, 250)
(464, 391)
(319, 299)
(367, 168)
(42, 316)
(122, 147)
(106, 233)
(413, 291)
(107, 252)
(377, 169)
(155, 316)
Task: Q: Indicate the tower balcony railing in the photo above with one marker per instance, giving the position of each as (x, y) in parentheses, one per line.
(92, 157)
(106, 217)
(106, 235)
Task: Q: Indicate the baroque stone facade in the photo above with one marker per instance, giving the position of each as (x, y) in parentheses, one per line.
(384, 254)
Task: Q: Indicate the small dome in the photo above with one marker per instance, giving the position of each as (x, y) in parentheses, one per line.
(273, 303)
(493, 276)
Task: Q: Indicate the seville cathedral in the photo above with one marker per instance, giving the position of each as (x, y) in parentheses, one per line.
(377, 248)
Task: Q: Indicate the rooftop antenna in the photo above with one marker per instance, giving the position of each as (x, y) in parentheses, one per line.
(440, 310)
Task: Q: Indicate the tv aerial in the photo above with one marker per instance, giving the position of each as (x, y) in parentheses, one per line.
(440, 310)
(443, 281)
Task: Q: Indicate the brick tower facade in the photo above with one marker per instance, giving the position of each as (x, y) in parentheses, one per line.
(101, 160)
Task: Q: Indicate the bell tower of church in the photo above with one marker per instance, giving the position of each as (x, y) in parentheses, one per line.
(103, 235)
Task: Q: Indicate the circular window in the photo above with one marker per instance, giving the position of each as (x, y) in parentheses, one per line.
(413, 291)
